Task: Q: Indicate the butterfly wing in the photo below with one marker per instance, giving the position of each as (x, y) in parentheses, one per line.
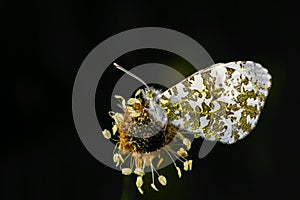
(219, 103)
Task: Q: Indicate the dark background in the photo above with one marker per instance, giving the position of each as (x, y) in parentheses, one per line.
(44, 44)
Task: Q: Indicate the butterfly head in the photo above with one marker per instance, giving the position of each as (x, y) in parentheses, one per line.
(152, 97)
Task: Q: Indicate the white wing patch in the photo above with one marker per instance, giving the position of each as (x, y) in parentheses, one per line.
(222, 102)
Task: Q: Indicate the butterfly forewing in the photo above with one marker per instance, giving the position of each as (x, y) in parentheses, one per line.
(220, 103)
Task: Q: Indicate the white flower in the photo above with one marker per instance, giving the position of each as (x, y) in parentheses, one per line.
(162, 180)
(118, 117)
(154, 187)
(139, 181)
(118, 158)
(187, 143)
(181, 152)
(139, 171)
(106, 134)
(190, 162)
(159, 162)
(138, 92)
(186, 166)
(114, 129)
(178, 172)
(126, 171)
(122, 101)
(140, 190)
(132, 101)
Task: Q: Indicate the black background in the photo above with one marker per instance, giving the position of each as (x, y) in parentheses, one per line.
(44, 44)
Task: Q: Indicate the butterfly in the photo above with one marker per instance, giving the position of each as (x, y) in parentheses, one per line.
(220, 103)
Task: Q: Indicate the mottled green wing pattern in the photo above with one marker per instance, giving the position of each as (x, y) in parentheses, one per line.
(220, 103)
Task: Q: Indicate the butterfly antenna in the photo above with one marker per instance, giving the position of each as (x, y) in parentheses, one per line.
(131, 74)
